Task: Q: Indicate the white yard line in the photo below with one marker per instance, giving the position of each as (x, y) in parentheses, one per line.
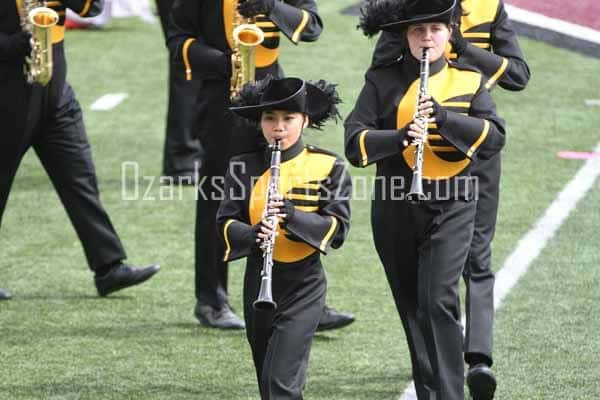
(108, 101)
(592, 102)
(532, 244)
(556, 25)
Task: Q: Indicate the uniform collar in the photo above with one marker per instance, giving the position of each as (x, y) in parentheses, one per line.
(289, 153)
(411, 66)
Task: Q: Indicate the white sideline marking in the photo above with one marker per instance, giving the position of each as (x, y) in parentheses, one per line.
(592, 102)
(108, 101)
(534, 241)
(557, 25)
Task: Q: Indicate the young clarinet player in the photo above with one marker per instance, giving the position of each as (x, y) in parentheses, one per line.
(311, 204)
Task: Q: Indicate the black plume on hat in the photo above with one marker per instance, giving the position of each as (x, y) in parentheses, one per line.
(396, 15)
(374, 13)
(316, 99)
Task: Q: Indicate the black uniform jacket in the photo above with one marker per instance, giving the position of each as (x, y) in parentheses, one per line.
(200, 34)
(493, 45)
(318, 184)
(375, 129)
(12, 68)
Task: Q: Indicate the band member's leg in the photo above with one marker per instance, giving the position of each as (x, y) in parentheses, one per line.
(478, 274)
(397, 250)
(300, 296)
(65, 152)
(182, 151)
(441, 260)
(211, 270)
(19, 116)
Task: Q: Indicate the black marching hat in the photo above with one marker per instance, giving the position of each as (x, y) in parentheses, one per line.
(397, 15)
(318, 99)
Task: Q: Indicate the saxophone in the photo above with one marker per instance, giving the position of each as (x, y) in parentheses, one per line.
(38, 20)
(246, 36)
(265, 302)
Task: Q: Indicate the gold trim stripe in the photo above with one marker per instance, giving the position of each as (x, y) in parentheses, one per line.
(227, 245)
(363, 148)
(307, 208)
(482, 45)
(465, 104)
(497, 75)
(484, 133)
(296, 35)
(443, 149)
(329, 234)
(186, 59)
(271, 34)
(86, 8)
(53, 3)
(479, 35)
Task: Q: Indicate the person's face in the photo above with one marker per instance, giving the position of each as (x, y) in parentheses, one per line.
(282, 125)
(434, 35)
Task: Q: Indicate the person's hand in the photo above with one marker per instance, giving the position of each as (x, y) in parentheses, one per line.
(415, 131)
(264, 230)
(251, 8)
(459, 43)
(282, 208)
(432, 110)
(17, 45)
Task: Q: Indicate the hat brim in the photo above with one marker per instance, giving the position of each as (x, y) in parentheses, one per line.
(400, 26)
(254, 112)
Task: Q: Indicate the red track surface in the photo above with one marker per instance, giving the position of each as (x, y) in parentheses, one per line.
(581, 12)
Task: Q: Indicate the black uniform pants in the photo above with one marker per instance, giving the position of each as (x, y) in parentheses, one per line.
(281, 341)
(182, 151)
(478, 274)
(56, 132)
(423, 253)
(222, 135)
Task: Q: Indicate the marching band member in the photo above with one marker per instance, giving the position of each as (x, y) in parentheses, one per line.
(49, 119)
(484, 38)
(201, 38)
(312, 205)
(182, 153)
(423, 252)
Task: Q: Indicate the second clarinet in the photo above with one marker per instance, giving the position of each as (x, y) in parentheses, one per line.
(265, 302)
(416, 185)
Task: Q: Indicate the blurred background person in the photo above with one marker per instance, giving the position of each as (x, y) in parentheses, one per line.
(182, 153)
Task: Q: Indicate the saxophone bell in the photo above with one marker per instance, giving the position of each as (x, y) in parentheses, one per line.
(38, 68)
(246, 36)
(243, 64)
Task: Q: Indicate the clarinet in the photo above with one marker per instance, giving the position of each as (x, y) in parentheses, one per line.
(265, 302)
(416, 194)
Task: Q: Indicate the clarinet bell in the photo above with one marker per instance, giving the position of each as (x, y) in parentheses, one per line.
(416, 194)
(265, 302)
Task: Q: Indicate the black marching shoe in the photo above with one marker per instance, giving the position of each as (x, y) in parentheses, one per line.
(122, 276)
(220, 318)
(5, 294)
(333, 319)
(481, 382)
